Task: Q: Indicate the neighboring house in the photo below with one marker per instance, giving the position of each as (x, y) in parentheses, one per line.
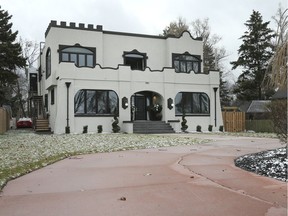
(258, 109)
(88, 75)
(281, 94)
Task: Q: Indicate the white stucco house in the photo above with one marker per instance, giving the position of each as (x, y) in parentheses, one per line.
(88, 75)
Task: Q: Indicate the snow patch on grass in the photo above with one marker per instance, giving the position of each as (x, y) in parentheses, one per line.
(22, 152)
(271, 163)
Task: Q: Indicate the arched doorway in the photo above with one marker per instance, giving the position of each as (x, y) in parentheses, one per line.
(146, 105)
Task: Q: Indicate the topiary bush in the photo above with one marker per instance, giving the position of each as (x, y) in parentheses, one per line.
(198, 128)
(183, 124)
(99, 128)
(115, 126)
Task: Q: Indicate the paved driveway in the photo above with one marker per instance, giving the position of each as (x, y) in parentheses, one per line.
(191, 180)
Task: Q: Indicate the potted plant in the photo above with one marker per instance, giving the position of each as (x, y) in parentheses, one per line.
(155, 112)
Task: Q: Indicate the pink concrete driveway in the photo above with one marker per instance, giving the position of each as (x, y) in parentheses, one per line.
(191, 180)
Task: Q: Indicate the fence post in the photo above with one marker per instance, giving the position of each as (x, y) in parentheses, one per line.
(3, 120)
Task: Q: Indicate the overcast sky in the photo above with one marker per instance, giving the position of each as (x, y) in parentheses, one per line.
(226, 17)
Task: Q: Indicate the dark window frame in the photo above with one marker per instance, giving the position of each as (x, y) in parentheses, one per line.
(191, 105)
(68, 50)
(183, 60)
(84, 100)
(48, 63)
(128, 58)
(46, 101)
(52, 96)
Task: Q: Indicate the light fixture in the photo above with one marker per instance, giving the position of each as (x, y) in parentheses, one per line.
(170, 103)
(124, 103)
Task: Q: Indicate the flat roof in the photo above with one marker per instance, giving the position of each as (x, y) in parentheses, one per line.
(99, 28)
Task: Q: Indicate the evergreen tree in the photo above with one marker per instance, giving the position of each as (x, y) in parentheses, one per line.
(225, 96)
(254, 55)
(10, 57)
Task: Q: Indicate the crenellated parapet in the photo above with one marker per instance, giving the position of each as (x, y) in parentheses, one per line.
(72, 25)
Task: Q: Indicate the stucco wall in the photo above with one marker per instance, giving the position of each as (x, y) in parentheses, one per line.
(109, 51)
(164, 83)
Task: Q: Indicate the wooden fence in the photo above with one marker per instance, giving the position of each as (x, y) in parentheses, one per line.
(4, 120)
(233, 121)
(260, 126)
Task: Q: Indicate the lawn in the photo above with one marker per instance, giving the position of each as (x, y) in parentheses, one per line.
(23, 151)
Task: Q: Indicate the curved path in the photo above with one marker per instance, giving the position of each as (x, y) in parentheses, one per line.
(191, 180)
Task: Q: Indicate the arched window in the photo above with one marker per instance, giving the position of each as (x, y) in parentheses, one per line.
(185, 63)
(96, 102)
(192, 103)
(48, 63)
(81, 56)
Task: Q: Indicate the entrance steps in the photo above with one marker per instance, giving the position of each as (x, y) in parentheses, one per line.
(152, 127)
(42, 126)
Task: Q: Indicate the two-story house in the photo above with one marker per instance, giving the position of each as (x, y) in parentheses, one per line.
(88, 75)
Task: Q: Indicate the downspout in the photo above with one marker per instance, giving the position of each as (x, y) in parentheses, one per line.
(215, 96)
(67, 128)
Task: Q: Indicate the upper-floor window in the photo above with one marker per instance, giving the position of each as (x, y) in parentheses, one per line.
(135, 59)
(185, 63)
(96, 102)
(192, 103)
(48, 63)
(81, 56)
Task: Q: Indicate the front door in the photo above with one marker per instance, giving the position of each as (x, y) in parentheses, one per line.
(140, 105)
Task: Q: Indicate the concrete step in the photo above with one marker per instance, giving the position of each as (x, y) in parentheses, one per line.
(152, 127)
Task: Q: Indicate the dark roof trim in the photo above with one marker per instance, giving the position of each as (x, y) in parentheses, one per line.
(149, 36)
(151, 70)
(90, 27)
(258, 106)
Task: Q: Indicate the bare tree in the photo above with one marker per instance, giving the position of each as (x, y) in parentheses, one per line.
(212, 54)
(20, 90)
(30, 52)
(281, 20)
(176, 28)
(276, 74)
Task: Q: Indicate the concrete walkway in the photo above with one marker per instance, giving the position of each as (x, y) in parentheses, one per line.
(191, 180)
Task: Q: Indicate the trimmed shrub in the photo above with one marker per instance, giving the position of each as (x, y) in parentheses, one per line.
(210, 127)
(221, 128)
(85, 129)
(99, 128)
(183, 124)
